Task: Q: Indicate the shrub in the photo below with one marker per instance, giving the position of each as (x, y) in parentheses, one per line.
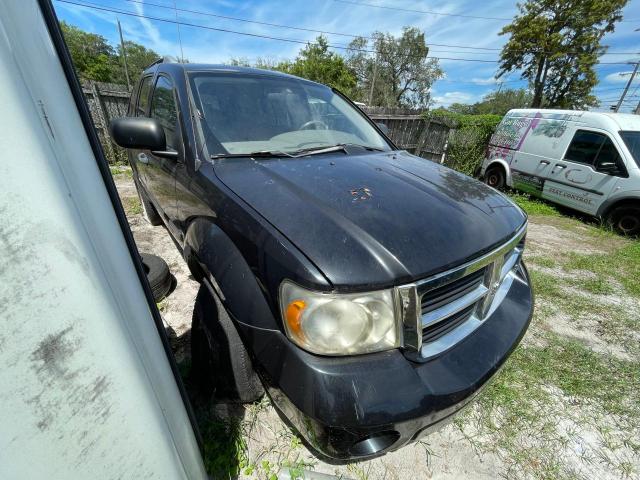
(468, 139)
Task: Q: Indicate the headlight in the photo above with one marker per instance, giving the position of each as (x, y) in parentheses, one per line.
(339, 324)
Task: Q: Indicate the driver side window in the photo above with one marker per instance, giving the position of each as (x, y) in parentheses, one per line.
(164, 109)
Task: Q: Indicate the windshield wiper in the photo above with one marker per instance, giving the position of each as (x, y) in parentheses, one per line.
(259, 154)
(332, 148)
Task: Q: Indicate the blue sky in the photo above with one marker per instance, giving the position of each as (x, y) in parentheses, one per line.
(465, 82)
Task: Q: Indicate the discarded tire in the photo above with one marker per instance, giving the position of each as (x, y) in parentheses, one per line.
(158, 275)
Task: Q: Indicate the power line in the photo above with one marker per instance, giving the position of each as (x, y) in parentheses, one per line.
(268, 37)
(327, 32)
(255, 35)
(428, 12)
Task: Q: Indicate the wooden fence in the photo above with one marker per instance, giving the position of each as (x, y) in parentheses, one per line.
(408, 129)
(107, 101)
(411, 131)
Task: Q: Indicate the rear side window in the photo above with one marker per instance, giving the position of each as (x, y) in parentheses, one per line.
(143, 97)
(590, 148)
(163, 109)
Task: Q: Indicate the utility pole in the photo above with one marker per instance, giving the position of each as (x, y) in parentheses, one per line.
(626, 88)
(373, 79)
(124, 56)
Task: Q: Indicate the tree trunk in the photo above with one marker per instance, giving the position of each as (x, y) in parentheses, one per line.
(538, 84)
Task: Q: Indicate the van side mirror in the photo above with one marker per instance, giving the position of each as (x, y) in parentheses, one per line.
(610, 168)
(383, 127)
(140, 133)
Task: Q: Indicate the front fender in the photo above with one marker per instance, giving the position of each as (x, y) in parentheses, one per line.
(212, 256)
(504, 164)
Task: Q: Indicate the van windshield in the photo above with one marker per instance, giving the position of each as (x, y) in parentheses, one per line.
(632, 140)
(243, 114)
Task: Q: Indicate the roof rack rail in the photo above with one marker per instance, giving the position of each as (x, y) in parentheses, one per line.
(155, 62)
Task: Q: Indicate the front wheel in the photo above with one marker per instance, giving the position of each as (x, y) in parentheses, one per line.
(625, 220)
(495, 177)
(220, 362)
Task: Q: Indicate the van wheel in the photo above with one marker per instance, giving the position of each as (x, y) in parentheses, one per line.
(149, 212)
(219, 360)
(495, 177)
(625, 220)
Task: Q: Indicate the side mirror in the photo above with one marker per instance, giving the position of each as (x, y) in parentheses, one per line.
(610, 168)
(140, 133)
(383, 127)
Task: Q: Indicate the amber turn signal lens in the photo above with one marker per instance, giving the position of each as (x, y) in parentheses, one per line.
(293, 314)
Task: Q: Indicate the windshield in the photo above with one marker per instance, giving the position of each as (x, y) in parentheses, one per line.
(243, 114)
(632, 140)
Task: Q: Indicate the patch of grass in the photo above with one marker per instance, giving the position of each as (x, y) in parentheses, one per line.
(534, 206)
(121, 170)
(521, 416)
(225, 449)
(598, 285)
(623, 264)
(546, 262)
(132, 205)
(544, 284)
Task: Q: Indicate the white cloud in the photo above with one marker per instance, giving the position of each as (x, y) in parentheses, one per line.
(618, 77)
(484, 81)
(453, 97)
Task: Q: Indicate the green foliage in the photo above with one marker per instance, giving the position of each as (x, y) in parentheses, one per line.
(314, 62)
(556, 44)
(468, 141)
(534, 206)
(498, 103)
(94, 59)
(400, 71)
(225, 449)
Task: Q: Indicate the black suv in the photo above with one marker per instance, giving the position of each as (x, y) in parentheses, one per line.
(372, 293)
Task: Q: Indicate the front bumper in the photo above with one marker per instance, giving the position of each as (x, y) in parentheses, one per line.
(349, 408)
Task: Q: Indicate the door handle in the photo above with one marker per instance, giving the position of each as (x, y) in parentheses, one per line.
(142, 158)
(544, 162)
(560, 166)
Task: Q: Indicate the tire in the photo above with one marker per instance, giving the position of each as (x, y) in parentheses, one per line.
(219, 360)
(149, 212)
(495, 177)
(625, 220)
(158, 275)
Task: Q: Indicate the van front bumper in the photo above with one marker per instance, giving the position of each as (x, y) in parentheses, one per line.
(352, 408)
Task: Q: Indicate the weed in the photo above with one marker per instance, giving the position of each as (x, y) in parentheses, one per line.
(533, 206)
(225, 449)
(132, 206)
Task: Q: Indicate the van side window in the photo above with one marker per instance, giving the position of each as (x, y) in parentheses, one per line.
(143, 97)
(584, 147)
(597, 150)
(163, 109)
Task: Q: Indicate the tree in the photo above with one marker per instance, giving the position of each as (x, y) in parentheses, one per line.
(556, 44)
(92, 55)
(500, 102)
(138, 58)
(315, 62)
(398, 74)
(94, 59)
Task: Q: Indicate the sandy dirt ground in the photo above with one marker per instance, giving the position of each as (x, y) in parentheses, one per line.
(461, 450)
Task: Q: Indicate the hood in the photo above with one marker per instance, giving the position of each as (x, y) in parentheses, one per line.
(374, 219)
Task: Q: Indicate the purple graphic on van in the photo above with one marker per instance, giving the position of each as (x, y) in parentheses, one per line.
(513, 130)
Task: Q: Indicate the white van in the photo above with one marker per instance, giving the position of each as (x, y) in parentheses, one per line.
(587, 161)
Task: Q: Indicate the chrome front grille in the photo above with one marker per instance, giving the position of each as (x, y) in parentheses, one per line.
(440, 311)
